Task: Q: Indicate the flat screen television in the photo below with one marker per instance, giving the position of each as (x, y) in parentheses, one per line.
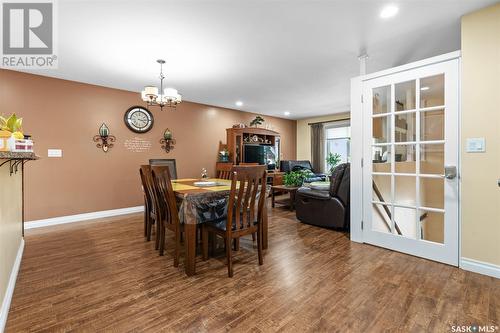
(255, 154)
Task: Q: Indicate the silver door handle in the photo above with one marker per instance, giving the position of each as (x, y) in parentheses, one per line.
(450, 171)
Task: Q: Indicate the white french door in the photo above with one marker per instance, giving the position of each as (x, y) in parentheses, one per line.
(410, 178)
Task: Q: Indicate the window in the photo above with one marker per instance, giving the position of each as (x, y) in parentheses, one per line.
(338, 140)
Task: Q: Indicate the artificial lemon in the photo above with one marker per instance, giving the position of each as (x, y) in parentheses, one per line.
(18, 135)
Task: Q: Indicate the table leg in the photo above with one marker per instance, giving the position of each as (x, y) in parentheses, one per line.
(272, 198)
(190, 246)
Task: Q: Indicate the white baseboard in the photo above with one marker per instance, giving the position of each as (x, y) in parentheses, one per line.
(480, 267)
(82, 217)
(4, 310)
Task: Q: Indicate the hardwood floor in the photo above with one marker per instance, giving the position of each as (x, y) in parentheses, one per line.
(102, 276)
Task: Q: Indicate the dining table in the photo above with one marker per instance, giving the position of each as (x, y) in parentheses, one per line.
(199, 204)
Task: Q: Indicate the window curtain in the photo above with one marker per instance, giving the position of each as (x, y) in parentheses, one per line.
(318, 147)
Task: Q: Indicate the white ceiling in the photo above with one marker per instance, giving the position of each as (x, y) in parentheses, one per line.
(275, 56)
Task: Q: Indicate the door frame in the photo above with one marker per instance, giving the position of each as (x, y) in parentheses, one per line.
(358, 139)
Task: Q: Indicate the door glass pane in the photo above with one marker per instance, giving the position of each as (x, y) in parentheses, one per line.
(405, 158)
(432, 192)
(405, 190)
(404, 219)
(381, 158)
(432, 158)
(405, 96)
(382, 100)
(432, 91)
(432, 226)
(381, 220)
(432, 125)
(405, 127)
(382, 129)
(381, 188)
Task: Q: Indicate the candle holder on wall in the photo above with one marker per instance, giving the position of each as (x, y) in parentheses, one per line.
(168, 141)
(104, 139)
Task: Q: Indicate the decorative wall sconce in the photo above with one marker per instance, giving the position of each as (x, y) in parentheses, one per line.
(103, 139)
(168, 141)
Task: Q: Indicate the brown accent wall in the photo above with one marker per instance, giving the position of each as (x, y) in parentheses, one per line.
(66, 115)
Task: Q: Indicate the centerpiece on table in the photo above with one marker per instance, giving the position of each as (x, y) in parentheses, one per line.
(12, 137)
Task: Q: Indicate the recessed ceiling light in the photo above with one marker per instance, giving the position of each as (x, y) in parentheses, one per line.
(389, 11)
(286, 113)
(239, 103)
(424, 88)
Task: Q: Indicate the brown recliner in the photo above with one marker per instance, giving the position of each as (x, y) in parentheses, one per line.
(327, 208)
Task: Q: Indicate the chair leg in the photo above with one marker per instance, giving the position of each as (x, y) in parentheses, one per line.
(149, 228)
(236, 244)
(259, 246)
(204, 242)
(254, 236)
(158, 233)
(229, 257)
(177, 247)
(146, 220)
(162, 240)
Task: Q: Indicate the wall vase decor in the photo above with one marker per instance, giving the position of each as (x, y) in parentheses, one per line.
(168, 141)
(104, 139)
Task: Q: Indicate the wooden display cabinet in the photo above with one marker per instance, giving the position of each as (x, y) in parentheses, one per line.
(238, 138)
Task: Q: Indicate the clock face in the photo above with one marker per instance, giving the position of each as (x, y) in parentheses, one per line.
(139, 119)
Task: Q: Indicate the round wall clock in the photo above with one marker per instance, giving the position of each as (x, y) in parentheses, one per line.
(139, 119)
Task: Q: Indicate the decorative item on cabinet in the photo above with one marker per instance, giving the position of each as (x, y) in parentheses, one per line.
(168, 141)
(12, 137)
(104, 139)
(257, 121)
(224, 155)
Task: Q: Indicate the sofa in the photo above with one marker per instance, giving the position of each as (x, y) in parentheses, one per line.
(294, 165)
(326, 208)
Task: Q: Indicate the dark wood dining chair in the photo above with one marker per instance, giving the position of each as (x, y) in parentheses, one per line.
(223, 170)
(167, 209)
(150, 217)
(245, 211)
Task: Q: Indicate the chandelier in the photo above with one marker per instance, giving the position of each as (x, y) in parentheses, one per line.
(154, 97)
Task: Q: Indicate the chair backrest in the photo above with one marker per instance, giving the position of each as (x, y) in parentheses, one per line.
(344, 189)
(292, 165)
(243, 208)
(170, 162)
(223, 170)
(340, 183)
(147, 184)
(165, 195)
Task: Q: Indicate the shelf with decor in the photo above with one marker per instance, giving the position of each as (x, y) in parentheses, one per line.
(254, 145)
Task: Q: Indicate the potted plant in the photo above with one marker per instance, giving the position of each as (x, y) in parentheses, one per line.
(332, 160)
(296, 178)
(224, 155)
(257, 121)
(10, 131)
